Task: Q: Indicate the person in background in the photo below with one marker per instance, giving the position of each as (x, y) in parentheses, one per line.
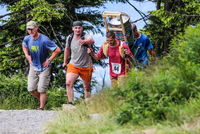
(143, 43)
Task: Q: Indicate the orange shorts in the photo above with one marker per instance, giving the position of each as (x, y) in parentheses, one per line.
(82, 72)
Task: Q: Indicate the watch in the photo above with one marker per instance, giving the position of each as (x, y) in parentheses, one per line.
(49, 60)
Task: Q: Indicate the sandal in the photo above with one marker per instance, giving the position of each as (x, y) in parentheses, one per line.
(40, 109)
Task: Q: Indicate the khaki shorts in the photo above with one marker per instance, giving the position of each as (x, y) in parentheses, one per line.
(39, 80)
(115, 81)
(83, 72)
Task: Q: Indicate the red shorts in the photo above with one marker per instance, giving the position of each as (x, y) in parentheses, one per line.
(82, 72)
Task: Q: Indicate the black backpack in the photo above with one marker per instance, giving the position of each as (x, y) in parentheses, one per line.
(85, 45)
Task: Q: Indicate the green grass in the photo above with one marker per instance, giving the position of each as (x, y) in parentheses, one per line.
(78, 122)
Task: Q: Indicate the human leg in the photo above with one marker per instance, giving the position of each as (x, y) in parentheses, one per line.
(86, 78)
(86, 86)
(113, 81)
(44, 80)
(70, 79)
(71, 75)
(120, 79)
(36, 94)
(43, 99)
(33, 78)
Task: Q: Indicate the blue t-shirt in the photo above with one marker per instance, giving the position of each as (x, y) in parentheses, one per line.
(143, 44)
(39, 49)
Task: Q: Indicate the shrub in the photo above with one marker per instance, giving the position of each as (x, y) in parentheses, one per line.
(14, 94)
(149, 94)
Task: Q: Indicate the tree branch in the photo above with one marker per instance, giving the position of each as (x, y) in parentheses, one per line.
(23, 22)
(55, 35)
(12, 13)
(12, 41)
(137, 11)
(141, 19)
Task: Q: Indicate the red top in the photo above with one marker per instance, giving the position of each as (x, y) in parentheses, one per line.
(116, 62)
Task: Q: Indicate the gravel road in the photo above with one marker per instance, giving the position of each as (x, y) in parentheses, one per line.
(24, 121)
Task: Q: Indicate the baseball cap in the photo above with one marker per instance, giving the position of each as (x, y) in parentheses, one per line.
(31, 25)
(77, 23)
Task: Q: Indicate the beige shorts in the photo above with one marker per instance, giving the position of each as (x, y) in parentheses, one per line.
(39, 80)
(115, 81)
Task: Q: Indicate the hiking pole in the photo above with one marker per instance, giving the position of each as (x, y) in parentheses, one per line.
(125, 55)
(90, 59)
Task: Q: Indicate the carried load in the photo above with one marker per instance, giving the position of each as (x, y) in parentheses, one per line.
(119, 23)
(105, 48)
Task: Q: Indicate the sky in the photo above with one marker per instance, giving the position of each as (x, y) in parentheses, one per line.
(113, 7)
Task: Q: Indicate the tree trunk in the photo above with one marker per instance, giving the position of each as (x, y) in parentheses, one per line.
(158, 4)
(27, 65)
(157, 48)
(168, 6)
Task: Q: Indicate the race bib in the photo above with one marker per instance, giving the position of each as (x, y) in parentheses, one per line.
(116, 68)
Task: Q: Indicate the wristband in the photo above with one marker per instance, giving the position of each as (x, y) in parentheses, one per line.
(49, 60)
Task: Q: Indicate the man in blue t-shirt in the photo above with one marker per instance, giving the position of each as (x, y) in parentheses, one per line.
(143, 44)
(40, 63)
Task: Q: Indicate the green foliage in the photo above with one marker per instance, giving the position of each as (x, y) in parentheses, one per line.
(149, 94)
(56, 97)
(187, 47)
(170, 20)
(14, 94)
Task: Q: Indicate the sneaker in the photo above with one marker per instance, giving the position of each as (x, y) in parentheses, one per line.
(71, 103)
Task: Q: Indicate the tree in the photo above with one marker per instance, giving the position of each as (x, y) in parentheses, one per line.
(169, 20)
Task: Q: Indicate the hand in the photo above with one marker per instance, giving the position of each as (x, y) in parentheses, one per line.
(64, 65)
(81, 42)
(89, 50)
(126, 52)
(29, 59)
(46, 63)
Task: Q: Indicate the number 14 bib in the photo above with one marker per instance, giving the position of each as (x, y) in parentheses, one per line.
(116, 68)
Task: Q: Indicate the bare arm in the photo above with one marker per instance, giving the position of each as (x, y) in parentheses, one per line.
(66, 55)
(95, 56)
(152, 53)
(88, 41)
(54, 55)
(25, 49)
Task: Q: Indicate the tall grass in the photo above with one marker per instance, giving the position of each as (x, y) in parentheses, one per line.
(78, 120)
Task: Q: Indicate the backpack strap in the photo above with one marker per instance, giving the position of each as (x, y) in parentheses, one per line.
(71, 37)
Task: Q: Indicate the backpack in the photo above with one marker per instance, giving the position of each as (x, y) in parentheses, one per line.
(85, 45)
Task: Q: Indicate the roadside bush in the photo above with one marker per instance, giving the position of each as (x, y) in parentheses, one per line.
(14, 94)
(56, 98)
(148, 95)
